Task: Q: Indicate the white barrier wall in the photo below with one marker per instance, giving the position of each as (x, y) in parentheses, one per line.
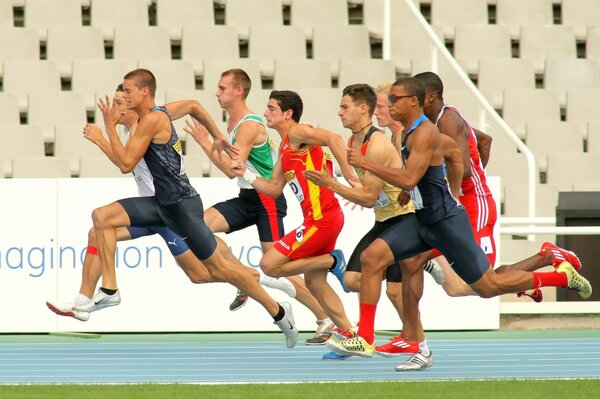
(43, 235)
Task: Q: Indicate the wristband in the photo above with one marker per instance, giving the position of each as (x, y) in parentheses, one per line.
(249, 176)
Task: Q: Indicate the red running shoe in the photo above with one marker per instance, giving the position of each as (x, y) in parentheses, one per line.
(535, 293)
(560, 255)
(397, 346)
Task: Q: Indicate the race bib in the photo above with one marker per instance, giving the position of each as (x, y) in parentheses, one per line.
(294, 185)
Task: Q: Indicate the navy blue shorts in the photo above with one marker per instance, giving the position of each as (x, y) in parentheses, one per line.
(176, 245)
(452, 236)
(185, 218)
(393, 274)
(253, 208)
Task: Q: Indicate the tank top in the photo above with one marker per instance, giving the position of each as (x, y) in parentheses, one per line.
(141, 174)
(432, 198)
(386, 205)
(315, 201)
(261, 158)
(165, 163)
(475, 186)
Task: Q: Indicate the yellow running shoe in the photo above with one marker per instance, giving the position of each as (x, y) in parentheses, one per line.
(575, 280)
(351, 346)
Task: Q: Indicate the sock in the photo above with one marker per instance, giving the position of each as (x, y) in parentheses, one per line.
(280, 313)
(366, 324)
(108, 291)
(428, 266)
(82, 299)
(92, 250)
(264, 279)
(549, 279)
(424, 349)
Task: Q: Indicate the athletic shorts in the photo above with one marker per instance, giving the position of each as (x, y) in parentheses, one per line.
(453, 236)
(483, 220)
(253, 208)
(312, 238)
(175, 244)
(393, 273)
(185, 218)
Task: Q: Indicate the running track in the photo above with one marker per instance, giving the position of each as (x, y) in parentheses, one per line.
(249, 358)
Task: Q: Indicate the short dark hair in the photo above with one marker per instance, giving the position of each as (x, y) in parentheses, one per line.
(414, 87)
(288, 100)
(240, 78)
(362, 93)
(432, 82)
(143, 78)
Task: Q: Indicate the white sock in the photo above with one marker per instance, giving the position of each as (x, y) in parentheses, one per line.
(264, 279)
(424, 349)
(82, 299)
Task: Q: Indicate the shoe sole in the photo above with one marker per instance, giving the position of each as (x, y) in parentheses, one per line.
(387, 354)
(62, 313)
(342, 351)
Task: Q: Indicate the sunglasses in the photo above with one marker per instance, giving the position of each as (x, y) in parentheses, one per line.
(392, 98)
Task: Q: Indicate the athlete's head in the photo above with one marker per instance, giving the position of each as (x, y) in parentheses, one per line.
(382, 107)
(233, 84)
(405, 95)
(138, 85)
(127, 116)
(432, 83)
(283, 105)
(357, 106)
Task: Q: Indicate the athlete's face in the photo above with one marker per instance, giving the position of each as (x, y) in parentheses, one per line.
(127, 115)
(400, 103)
(273, 114)
(350, 113)
(382, 110)
(227, 91)
(132, 94)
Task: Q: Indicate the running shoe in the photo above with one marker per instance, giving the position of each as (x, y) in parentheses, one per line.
(69, 310)
(340, 267)
(240, 300)
(334, 356)
(560, 255)
(100, 301)
(351, 346)
(434, 268)
(323, 332)
(416, 362)
(575, 280)
(535, 293)
(281, 284)
(397, 346)
(287, 325)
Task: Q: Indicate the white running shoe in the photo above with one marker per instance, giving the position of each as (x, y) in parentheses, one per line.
(416, 362)
(100, 301)
(282, 284)
(436, 271)
(287, 325)
(69, 310)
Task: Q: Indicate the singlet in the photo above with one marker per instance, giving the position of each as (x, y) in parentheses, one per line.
(261, 158)
(386, 205)
(315, 200)
(477, 183)
(165, 163)
(432, 198)
(475, 186)
(141, 174)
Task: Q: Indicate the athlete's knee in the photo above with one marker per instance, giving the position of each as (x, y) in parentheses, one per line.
(394, 292)
(370, 261)
(269, 269)
(92, 237)
(352, 281)
(101, 218)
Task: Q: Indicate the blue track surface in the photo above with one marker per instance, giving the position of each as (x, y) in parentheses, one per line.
(94, 361)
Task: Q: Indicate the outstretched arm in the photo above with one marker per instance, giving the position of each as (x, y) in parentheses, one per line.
(272, 187)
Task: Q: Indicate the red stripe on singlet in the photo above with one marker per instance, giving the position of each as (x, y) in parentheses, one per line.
(271, 207)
